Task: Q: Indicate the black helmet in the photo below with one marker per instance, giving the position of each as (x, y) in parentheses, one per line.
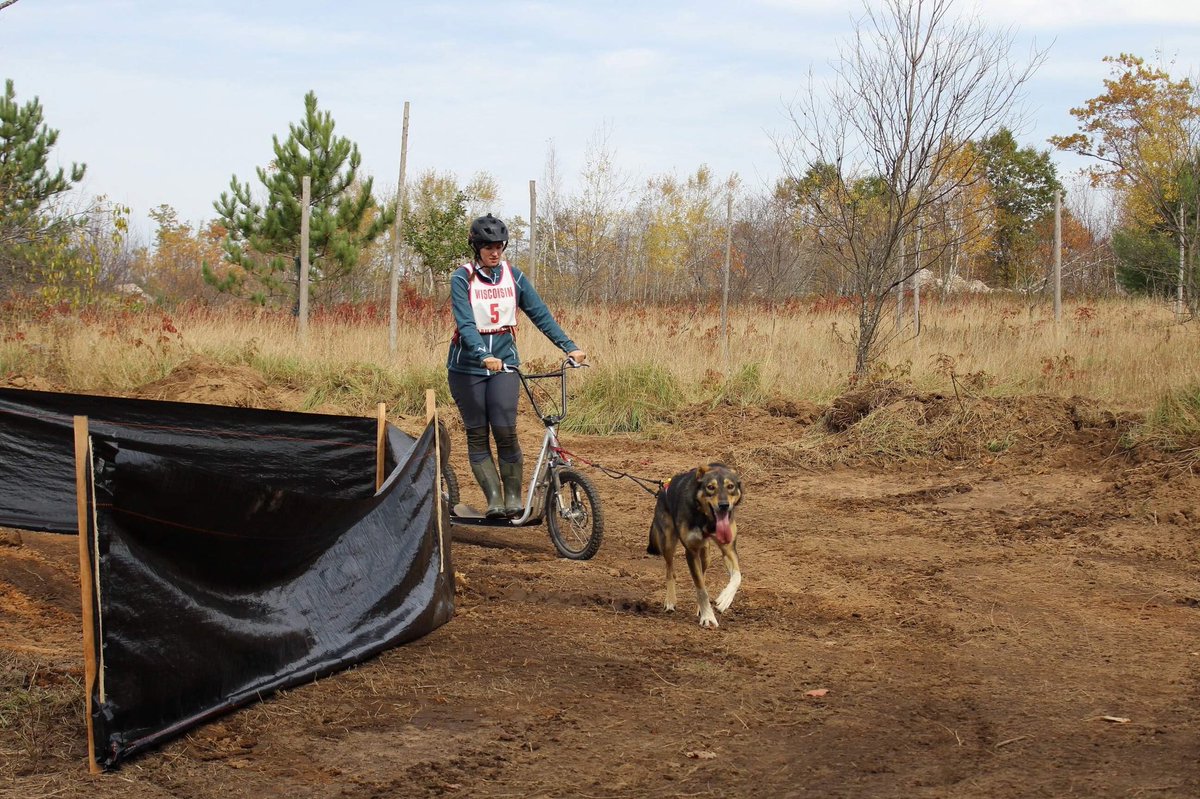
(487, 230)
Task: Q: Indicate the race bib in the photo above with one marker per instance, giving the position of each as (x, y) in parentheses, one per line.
(495, 305)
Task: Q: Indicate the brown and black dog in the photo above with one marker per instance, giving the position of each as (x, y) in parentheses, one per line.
(693, 507)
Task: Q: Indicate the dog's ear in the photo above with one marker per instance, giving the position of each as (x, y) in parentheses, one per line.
(700, 470)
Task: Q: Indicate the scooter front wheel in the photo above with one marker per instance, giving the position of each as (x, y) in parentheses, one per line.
(573, 515)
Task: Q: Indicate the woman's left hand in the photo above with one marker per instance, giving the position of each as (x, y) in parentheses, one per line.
(578, 356)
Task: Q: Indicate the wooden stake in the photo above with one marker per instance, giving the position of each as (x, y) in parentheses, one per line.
(380, 442)
(431, 416)
(87, 588)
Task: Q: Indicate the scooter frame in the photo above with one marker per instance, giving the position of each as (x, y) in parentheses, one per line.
(550, 460)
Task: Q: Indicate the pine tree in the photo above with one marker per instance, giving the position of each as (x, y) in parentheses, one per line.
(1023, 181)
(28, 188)
(263, 240)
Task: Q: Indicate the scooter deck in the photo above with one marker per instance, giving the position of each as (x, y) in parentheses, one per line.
(462, 513)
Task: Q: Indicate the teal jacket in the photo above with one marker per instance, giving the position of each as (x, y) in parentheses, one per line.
(469, 347)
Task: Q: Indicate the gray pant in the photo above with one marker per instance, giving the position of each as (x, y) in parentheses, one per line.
(488, 401)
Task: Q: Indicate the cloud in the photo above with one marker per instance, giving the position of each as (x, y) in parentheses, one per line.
(632, 61)
(1064, 15)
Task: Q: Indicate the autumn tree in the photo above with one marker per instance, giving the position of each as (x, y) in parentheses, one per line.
(33, 224)
(436, 224)
(1143, 136)
(912, 89)
(172, 271)
(263, 237)
(959, 225)
(685, 231)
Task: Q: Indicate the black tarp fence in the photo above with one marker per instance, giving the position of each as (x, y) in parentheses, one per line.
(234, 551)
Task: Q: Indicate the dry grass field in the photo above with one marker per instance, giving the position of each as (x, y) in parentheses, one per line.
(1125, 354)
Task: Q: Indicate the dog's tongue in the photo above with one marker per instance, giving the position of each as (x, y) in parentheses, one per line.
(724, 533)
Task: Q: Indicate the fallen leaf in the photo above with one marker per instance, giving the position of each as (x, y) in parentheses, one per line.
(701, 754)
(817, 692)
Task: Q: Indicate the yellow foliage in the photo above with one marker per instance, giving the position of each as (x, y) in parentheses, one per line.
(1137, 132)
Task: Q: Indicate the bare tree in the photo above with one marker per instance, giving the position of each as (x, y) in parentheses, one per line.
(879, 148)
(581, 230)
(6, 3)
(776, 260)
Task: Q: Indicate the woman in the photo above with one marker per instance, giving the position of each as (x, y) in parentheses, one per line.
(485, 295)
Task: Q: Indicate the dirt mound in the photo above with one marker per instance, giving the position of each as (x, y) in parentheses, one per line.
(853, 406)
(891, 420)
(202, 379)
(803, 412)
(31, 383)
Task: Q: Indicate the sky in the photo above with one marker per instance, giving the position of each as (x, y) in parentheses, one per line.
(166, 101)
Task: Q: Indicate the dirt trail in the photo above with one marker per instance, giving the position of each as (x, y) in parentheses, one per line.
(971, 617)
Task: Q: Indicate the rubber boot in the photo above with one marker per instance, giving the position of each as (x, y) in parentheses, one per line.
(514, 504)
(489, 480)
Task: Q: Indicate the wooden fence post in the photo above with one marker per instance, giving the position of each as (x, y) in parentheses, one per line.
(431, 417)
(87, 585)
(380, 442)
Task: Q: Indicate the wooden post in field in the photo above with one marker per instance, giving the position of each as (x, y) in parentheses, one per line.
(87, 585)
(917, 286)
(305, 212)
(398, 241)
(380, 442)
(431, 417)
(533, 231)
(1179, 288)
(725, 277)
(1057, 256)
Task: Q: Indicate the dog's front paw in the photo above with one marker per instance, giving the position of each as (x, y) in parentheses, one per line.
(725, 599)
(669, 607)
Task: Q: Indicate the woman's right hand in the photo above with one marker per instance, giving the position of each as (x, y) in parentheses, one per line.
(493, 364)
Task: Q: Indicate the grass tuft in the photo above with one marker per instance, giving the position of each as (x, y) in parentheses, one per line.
(357, 387)
(1173, 424)
(624, 399)
(744, 388)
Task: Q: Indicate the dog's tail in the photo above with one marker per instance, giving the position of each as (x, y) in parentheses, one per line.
(652, 548)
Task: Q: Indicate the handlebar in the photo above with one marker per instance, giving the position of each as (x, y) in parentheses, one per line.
(569, 363)
(561, 374)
